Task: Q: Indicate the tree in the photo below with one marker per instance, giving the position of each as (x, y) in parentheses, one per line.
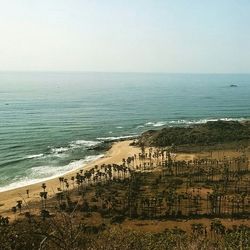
(19, 205)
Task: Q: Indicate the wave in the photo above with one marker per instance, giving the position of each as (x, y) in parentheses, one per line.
(116, 138)
(189, 122)
(11, 162)
(149, 123)
(201, 121)
(156, 124)
(140, 126)
(45, 173)
(14, 146)
(159, 124)
(80, 143)
(34, 156)
(59, 150)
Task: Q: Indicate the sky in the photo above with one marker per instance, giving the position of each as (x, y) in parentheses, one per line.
(169, 36)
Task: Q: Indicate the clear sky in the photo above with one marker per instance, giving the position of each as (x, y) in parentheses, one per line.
(196, 36)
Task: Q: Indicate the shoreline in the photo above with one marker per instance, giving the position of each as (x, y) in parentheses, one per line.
(45, 179)
(115, 154)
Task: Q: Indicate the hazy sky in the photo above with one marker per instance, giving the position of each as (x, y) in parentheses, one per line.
(125, 35)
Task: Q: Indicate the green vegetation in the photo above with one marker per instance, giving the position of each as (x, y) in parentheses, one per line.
(209, 133)
(68, 232)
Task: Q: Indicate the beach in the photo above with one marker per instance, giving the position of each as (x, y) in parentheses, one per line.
(120, 150)
(9, 198)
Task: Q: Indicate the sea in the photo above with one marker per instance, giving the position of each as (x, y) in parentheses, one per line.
(50, 121)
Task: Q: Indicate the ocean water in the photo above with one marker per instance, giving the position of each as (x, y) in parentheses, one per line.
(49, 120)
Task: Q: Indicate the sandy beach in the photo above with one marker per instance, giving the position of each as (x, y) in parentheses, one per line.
(8, 199)
(115, 154)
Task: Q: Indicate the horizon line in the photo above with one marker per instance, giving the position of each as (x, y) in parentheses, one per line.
(124, 72)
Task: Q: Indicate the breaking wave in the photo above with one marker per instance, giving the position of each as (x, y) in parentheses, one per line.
(34, 156)
(81, 143)
(155, 124)
(60, 151)
(201, 121)
(116, 138)
(43, 173)
(189, 122)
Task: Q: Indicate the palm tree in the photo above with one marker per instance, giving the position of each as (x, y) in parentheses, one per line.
(14, 210)
(61, 181)
(73, 181)
(19, 205)
(43, 187)
(43, 196)
(4, 221)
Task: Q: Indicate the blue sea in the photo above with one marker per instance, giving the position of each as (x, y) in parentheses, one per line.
(49, 120)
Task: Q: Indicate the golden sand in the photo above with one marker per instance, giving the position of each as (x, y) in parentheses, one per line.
(8, 199)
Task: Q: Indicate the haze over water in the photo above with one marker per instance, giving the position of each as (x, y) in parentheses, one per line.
(49, 120)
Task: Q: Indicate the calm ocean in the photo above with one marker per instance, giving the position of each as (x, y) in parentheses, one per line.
(49, 120)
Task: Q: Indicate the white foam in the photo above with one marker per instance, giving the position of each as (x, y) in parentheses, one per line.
(34, 156)
(149, 123)
(115, 138)
(119, 127)
(140, 126)
(202, 121)
(155, 124)
(59, 150)
(189, 122)
(159, 124)
(80, 143)
(44, 173)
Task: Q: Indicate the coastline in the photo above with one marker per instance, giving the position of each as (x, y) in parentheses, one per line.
(115, 154)
(118, 151)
